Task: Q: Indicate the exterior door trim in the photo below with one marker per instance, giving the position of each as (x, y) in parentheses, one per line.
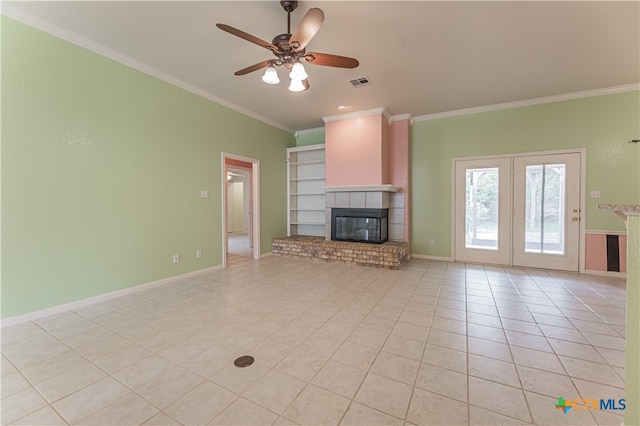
(583, 198)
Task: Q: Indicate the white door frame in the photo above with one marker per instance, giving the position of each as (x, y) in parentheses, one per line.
(501, 254)
(254, 208)
(572, 229)
(583, 190)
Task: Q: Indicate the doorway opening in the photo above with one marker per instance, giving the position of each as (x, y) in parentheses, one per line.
(240, 212)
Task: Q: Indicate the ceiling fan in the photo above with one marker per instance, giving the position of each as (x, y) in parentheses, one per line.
(289, 49)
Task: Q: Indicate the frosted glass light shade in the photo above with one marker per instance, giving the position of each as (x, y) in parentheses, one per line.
(298, 72)
(271, 75)
(296, 85)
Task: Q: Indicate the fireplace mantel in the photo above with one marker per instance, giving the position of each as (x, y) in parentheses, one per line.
(363, 188)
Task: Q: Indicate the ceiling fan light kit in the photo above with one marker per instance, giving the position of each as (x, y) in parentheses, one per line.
(290, 51)
(271, 75)
(298, 72)
(296, 86)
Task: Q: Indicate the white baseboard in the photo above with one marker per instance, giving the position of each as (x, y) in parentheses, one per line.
(427, 257)
(606, 273)
(19, 319)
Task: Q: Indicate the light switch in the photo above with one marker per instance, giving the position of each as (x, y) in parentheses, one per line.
(204, 193)
(596, 194)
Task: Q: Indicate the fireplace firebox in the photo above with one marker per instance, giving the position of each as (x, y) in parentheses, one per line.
(360, 225)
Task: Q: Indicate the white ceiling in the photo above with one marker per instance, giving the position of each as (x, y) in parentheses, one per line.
(422, 57)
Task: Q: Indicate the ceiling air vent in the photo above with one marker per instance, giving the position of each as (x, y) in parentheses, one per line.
(360, 81)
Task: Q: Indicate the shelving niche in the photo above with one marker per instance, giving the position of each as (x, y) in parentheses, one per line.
(306, 194)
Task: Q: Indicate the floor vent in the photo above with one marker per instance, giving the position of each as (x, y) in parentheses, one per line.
(243, 361)
(360, 81)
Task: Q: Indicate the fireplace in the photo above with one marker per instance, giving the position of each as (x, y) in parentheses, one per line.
(360, 225)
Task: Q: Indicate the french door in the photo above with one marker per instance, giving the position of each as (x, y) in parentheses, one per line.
(483, 205)
(546, 211)
(519, 210)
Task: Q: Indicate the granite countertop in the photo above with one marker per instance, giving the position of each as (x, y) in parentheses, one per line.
(632, 208)
(621, 210)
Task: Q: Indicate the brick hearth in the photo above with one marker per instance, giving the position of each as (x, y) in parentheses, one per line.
(389, 255)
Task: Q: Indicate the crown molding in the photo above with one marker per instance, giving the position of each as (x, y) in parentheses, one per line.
(391, 119)
(407, 116)
(78, 40)
(355, 114)
(386, 115)
(536, 101)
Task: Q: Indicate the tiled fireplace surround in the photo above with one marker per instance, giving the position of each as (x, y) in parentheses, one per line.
(361, 198)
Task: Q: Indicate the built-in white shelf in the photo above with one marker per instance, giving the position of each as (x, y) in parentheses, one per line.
(305, 190)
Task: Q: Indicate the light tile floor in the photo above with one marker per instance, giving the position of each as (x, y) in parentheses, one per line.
(238, 245)
(432, 343)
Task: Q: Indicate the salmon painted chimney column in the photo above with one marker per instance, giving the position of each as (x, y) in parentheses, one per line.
(367, 158)
(356, 149)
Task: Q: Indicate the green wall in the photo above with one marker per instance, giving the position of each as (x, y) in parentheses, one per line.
(310, 138)
(601, 124)
(102, 168)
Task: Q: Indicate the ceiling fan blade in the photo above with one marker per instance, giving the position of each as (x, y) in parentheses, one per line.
(253, 68)
(253, 39)
(329, 60)
(307, 28)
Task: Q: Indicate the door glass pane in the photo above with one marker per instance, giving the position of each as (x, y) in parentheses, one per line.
(545, 208)
(481, 217)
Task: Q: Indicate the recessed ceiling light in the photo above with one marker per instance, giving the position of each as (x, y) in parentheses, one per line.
(341, 106)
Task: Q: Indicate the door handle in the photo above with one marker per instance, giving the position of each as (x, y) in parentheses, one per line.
(575, 219)
(574, 211)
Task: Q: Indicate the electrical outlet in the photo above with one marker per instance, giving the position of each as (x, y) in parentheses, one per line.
(176, 258)
(432, 242)
(198, 253)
